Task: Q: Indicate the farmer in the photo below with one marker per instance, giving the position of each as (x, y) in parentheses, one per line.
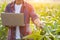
(20, 6)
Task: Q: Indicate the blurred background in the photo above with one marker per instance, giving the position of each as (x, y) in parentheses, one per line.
(48, 12)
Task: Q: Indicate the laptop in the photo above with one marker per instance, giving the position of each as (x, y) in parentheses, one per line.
(12, 19)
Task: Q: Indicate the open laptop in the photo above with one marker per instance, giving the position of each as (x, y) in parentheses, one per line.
(12, 19)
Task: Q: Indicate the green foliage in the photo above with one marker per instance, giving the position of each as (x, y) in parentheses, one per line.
(3, 30)
(48, 33)
(2, 7)
(49, 14)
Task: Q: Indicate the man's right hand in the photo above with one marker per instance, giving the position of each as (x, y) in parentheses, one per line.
(39, 23)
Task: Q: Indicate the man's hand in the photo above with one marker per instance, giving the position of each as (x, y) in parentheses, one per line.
(39, 23)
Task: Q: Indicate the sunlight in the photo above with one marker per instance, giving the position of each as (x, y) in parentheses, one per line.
(42, 1)
(36, 0)
(39, 1)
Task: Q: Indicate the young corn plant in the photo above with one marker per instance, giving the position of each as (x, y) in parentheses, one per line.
(48, 33)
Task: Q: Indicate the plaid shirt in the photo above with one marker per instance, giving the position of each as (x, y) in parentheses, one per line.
(28, 11)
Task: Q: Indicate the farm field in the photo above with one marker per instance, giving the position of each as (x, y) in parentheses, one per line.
(49, 14)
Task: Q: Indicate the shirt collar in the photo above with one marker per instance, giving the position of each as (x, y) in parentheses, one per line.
(13, 4)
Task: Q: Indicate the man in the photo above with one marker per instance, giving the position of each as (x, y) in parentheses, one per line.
(19, 6)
